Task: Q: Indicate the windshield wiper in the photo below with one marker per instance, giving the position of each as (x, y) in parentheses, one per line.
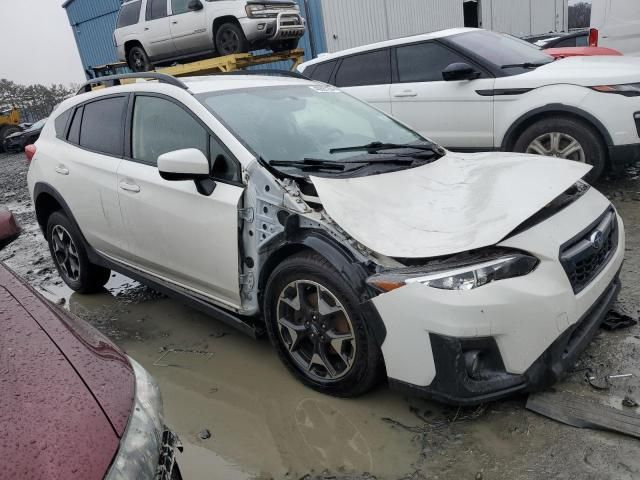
(527, 65)
(376, 147)
(314, 164)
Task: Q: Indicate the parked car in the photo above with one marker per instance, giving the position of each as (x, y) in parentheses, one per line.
(560, 39)
(361, 247)
(74, 406)
(150, 32)
(17, 141)
(616, 24)
(475, 90)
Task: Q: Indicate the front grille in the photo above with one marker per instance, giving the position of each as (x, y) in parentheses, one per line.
(584, 256)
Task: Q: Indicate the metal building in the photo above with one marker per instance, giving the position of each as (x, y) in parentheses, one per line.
(338, 24)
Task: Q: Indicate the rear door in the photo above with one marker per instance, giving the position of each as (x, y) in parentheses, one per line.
(366, 76)
(457, 114)
(173, 231)
(157, 29)
(86, 171)
(188, 28)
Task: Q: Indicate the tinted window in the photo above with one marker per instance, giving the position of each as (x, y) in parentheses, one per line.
(224, 168)
(61, 122)
(372, 68)
(582, 41)
(323, 71)
(102, 125)
(129, 14)
(179, 6)
(308, 72)
(161, 126)
(74, 129)
(424, 62)
(567, 42)
(156, 9)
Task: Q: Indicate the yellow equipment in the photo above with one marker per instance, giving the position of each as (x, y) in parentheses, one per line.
(9, 120)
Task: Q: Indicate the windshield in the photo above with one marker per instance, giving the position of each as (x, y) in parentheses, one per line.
(292, 123)
(502, 50)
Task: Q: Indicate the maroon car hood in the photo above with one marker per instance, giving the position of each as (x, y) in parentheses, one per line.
(66, 391)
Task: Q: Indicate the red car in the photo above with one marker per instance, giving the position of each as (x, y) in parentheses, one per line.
(72, 405)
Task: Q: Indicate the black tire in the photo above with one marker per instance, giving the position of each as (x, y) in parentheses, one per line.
(138, 60)
(366, 358)
(589, 139)
(5, 132)
(286, 45)
(74, 268)
(230, 40)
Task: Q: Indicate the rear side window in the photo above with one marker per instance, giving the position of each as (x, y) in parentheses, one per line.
(582, 41)
(161, 126)
(102, 126)
(61, 123)
(424, 62)
(372, 68)
(129, 14)
(323, 71)
(567, 42)
(156, 9)
(74, 129)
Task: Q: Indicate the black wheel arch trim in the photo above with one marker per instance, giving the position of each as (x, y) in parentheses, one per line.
(555, 108)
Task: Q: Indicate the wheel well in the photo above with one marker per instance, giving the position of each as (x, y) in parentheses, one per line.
(222, 20)
(518, 129)
(274, 260)
(46, 204)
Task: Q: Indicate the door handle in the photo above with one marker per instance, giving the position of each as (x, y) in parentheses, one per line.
(146, 29)
(62, 170)
(406, 94)
(129, 187)
(175, 22)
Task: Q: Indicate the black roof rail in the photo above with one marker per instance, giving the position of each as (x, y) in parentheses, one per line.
(114, 80)
(272, 72)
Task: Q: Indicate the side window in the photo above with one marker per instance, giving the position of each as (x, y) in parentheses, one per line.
(74, 129)
(323, 71)
(372, 68)
(129, 14)
(179, 6)
(61, 123)
(568, 42)
(308, 72)
(424, 62)
(582, 41)
(156, 9)
(224, 167)
(161, 126)
(102, 126)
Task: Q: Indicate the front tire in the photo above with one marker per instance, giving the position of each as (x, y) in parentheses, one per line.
(4, 133)
(138, 60)
(567, 138)
(230, 40)
(316, 326)
(70, 256)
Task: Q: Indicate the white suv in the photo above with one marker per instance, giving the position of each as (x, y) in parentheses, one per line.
(475, 90)
(361, 247)
(152, 32)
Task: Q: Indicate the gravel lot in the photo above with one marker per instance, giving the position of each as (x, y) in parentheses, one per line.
(264, 424)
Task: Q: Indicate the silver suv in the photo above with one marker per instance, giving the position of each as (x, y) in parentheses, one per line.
(152, 32)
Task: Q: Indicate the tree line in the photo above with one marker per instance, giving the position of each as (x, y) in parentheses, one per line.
(34, 101)
(580, 15)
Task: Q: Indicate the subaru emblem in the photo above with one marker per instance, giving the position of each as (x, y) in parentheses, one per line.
(597, 240)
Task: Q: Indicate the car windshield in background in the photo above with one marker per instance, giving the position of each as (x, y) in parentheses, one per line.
(38, 125)
(513, 55)
(293, 123)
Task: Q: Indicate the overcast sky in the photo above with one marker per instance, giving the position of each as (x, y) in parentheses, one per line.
(36, 43)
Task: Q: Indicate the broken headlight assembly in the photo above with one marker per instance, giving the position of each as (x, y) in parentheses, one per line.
(466, 277)
(628, 90)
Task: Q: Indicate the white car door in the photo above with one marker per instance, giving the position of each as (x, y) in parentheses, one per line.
(189, 28)
(173, 231)
(86, 171)
(157, 30)
(456, 114)
(618, 22)
(367, 76)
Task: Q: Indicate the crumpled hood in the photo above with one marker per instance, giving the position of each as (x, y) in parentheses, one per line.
(460, 202)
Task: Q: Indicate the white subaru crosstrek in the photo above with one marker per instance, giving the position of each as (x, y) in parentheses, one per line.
(475, 90)
(362, 248)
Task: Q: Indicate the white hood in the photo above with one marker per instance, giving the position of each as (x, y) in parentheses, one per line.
(458, 203)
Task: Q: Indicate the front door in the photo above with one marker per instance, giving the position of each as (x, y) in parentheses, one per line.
(157, 30)
(188, 28)
(174, 232)
(456, 114)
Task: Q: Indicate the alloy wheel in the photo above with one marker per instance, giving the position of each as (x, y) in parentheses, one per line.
(316, 330)
(230, 42)
(65, 253)
(560, 145)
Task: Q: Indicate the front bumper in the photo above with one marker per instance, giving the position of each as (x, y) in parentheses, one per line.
(622, 155)
(288, 25)
(13, 145)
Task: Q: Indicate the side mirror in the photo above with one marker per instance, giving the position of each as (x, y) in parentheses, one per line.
(459, 71)
(187, 164)
(195, 5)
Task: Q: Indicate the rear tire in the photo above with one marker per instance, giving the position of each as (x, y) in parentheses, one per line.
(230, 39)
(315, 324)
(70, 256)
(556, 136)
(138, 60)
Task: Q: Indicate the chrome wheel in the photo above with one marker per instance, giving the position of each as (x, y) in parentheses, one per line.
(65, 253)
(316, 330)
(560, 145)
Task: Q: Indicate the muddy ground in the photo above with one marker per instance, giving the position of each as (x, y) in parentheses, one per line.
(264, 424)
